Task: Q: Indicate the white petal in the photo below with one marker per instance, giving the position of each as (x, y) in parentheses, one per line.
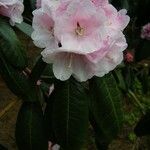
(82, 69)
(109, 63)
(56, 147)
(61, 68)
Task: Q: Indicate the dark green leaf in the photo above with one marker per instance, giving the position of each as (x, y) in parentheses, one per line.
(70, 114)
(13, 78)
(101, 141)
(30, 133)
(11, 46)
(48, 75)
(120, 80)
(129, 77)
(37, 70)
(144, 80)
(106, 106)
(25, 28)
(48, 71)
(16, 81)
(48, 120)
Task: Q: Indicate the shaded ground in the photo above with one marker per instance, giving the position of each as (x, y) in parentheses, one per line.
(9, 106)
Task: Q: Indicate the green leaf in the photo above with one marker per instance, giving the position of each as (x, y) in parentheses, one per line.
(144, 79)
(70, 114)
(106, 106)
(30, 133)
(129, 77)
(37, 70)
(48, 114)
(48, 75)
(13, 78)
(101, 141)
(120, 80)
(11, 46)
(25, 28)
(16, 81)
(48, 71)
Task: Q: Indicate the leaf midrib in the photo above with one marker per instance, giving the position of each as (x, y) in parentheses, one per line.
(114, 110)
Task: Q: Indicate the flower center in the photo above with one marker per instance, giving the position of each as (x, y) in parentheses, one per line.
(79, 30)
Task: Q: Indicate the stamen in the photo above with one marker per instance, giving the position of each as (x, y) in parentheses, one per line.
(79, 30)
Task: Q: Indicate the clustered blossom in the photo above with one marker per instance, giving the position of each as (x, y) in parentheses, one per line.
(145, 34)
(12, 9)
(82, 38)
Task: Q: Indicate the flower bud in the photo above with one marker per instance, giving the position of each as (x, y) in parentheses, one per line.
(129, 57)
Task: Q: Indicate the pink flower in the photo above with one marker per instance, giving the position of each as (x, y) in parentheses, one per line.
(129, 57)
(12, 9)
(100, 2)
(80, 38)
(145, 33)
(38, 3)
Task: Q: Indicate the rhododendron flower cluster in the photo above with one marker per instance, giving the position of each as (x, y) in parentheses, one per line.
(83, 38)
(12, 9)
(145, 34)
